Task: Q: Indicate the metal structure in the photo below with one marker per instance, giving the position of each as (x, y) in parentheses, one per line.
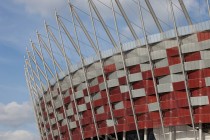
(153, 88)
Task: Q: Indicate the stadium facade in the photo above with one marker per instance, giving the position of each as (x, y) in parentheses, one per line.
(156, 87)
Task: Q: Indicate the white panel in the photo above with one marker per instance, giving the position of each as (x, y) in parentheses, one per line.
(135, 77)
(82, 107)
(70, 112)
(153, 107)
(199, 101)
(165, 88)
(160, 54)
(73, 125)
(138, 93)
(113, 83)
(175, 68)
(110, 123)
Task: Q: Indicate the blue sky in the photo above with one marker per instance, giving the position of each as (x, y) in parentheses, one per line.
(19, 20)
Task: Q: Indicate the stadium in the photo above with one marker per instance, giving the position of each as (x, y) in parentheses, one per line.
(153, 87)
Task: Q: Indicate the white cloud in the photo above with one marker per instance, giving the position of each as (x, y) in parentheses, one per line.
(42, 7)
(18, 135)
(16, 115)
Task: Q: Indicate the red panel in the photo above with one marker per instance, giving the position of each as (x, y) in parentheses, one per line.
(195, 74)
(90, 133)
(86, 120)
(116, 98)
(119, 113)
(162, 71)
(63, 129)
(125, 96)
(201, 91)
(156, 123)
(144, 117)
(125, 119)
(142, 84)
(80, 101)
(192, 57)
(103, 94)
(174, 60)
(183, 111)
(141, 109)
(77, 137)
(147, 74)
(180, 95)
(179, 86)
(173, 121)
(100, 102)
(102, 124)
(145, 124)
(202, 110)
(171, 113)
(182, 103)
(172, 51)
(67, 100)
(134, 69)
(94, 89)
(206, 72)
(140, 101)
(150, 90)
(87, 113)
(122, 80)
(151, 99)
(202, 118)
(115, 90)
(154, 115)
(89, 127)
(196, 83)
(103, 116)
(202, 36)
(109, 68)
(167, 96)
(122, 127)
(171, 104)
(100, 79)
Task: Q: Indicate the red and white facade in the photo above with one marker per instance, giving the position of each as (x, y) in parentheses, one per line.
(130, 93)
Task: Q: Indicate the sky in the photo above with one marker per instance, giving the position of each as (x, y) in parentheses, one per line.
(19, 20)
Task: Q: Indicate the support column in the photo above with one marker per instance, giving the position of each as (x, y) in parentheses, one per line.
(200, 132)
(151, 67)
(145, 134)
(183, 68)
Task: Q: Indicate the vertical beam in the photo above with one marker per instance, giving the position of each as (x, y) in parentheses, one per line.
(145, 134)
(85, 74)
(57, 79)
(183, 69)
(56, 42)
(29, 85)
(200, 132)
(124, 136)
(126, 19)
(103, 23)
(48, 50)
(83, 27)
(126, 71)
(207, 1)
(98, 52)
(70, 76)
(49, 86)
(28, 63)
(151, 66)
(186, 14)
(41, 84)
(154, 16)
